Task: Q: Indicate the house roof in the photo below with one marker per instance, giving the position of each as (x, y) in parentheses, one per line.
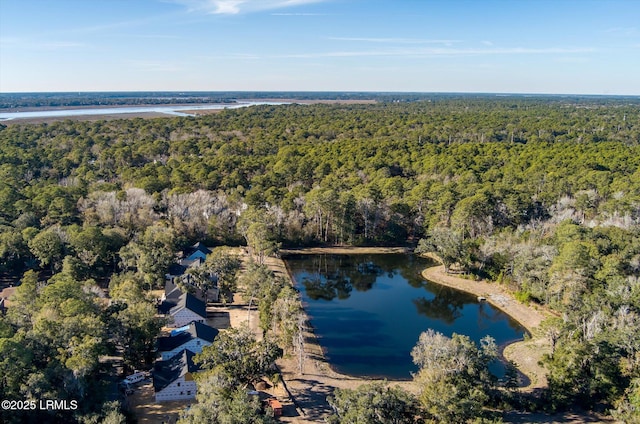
(166, 372)
(198, 246)
(203, 331)
(189, 301)
(171, 291)
(196, 330)
(188, 263)
(167, 305)
(176, 269)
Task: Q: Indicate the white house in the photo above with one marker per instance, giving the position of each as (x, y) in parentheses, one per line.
(186, 310)
(193, 338)
(173, 379)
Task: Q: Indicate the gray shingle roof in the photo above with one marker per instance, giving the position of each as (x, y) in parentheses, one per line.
(166, 372)
(196, 330)
(189, 301)
(199, 246)
(171, 291)
(176, 269)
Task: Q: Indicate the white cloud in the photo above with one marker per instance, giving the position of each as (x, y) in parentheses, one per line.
(396, 40)
(234, 7)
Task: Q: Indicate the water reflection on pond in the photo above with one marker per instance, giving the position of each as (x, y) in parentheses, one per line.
(368, 310)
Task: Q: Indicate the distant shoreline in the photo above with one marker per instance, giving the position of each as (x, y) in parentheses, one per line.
(112, 111)
(115, 106)
(189, 104)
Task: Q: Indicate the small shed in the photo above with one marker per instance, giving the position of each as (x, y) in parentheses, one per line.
(276, 406)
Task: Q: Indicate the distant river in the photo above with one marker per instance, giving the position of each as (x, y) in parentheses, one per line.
(177, 110)
(369, 310)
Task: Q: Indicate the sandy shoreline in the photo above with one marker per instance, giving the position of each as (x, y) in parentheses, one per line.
(342, 250)
(526, 354)
(527, 316)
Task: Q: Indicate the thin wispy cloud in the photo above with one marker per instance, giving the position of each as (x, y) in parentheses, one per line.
(30, 44)
(234, 7)
(395, 40)
(299, 14)
(109, 28)
(150, 36)
(8, 41)
(431, 52)
(625, 32)
(155, 66)
(572, 60)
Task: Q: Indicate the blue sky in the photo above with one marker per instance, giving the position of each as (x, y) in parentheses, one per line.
(503, 46)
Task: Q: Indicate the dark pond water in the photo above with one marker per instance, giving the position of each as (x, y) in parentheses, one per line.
(369, 310)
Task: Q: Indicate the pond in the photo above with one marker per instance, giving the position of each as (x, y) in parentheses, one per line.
(369, 310)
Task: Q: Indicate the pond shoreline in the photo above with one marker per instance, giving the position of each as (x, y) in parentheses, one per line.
(527, 316)
(342, 250)
(319, 379)
(526, 354)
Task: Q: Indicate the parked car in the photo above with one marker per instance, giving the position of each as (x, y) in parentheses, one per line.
(134, 378)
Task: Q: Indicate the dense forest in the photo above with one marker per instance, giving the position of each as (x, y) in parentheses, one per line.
(539, 194)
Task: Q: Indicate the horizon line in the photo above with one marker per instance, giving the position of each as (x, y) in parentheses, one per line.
(378, 92)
